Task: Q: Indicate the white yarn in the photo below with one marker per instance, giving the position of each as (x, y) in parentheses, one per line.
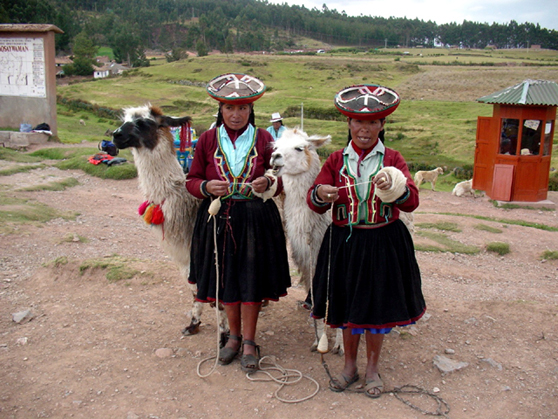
(270, 193)
(398, 184)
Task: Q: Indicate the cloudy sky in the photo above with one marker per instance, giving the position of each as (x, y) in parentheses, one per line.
(543, 12)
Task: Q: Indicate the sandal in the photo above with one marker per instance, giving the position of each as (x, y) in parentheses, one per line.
(226, 355)
(374, 388)
(249, 362)
(342, 382)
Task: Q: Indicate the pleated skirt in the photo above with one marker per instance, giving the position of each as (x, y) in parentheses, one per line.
(251, 251)
(368, 278)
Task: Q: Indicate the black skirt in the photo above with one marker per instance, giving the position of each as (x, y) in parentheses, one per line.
(253, 261)
(372, 278)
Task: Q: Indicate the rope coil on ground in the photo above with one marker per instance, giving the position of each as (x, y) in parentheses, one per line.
(283, 379)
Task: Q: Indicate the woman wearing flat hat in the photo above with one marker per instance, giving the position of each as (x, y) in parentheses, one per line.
(367, 279)
(276, 128)
(229, 165)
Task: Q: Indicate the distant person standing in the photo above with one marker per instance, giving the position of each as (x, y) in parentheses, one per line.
(276, 128)
(214, 123)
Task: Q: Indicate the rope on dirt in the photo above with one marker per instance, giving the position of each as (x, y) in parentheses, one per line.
(284, 379)
(442, 409)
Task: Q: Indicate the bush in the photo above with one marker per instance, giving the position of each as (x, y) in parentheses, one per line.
(553, 183)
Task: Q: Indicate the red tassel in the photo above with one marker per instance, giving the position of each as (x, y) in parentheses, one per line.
(185, 137)
(158, 217)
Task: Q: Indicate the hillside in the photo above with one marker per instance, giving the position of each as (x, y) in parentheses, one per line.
(435, 124)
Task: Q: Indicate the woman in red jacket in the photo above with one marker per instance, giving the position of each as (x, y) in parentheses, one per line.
(229, 164)
(367, 279)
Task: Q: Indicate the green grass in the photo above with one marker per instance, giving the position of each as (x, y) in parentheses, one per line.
(434, 125)
(8, 154)
(448, 245)
(444, 226)
(500, 220)
(550, 255)
(116, 267)
(498, 247)
(490, 229)
(20, 169)
(103, 171)
(16, 211)
(56, 263)
(53, 186)
(72, 237)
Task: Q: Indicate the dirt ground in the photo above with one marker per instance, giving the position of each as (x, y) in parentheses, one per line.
(97, 348)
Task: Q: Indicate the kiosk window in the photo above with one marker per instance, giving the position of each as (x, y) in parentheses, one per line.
(508, 136)
(531, 137)
(547, 137)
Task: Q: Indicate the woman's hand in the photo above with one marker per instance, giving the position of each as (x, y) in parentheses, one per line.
(260, 184)
(217, 187)
(382, 181)
(328, 193)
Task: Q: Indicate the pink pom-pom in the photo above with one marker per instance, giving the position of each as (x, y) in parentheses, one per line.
(143, 207)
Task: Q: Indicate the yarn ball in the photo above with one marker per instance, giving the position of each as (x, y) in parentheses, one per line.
(398, 184)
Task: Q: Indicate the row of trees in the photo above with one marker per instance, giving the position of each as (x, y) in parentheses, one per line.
(130, 26)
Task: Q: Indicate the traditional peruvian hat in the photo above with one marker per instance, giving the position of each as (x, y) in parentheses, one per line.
(235, 88)
(275, 117)
(367, 101)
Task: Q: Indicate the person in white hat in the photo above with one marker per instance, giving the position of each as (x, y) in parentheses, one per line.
(214, 123)
(276, 128)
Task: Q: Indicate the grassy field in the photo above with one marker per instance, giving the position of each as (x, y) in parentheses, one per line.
(434, 125)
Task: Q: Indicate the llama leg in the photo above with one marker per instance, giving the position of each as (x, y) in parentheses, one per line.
(319, 328)
(338, 347)
(196, 312)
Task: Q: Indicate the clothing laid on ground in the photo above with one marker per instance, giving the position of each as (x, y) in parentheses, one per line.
(366, 264)
(276, 134)
(253, 261)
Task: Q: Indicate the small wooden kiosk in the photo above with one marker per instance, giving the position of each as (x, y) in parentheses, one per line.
(514, 146)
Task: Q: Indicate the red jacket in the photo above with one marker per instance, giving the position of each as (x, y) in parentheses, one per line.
(345, 209)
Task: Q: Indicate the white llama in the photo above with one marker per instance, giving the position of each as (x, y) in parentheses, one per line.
(295, 159)
(145, 130)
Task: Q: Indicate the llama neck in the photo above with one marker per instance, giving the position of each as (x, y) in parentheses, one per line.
(296, 186)
(158, 172)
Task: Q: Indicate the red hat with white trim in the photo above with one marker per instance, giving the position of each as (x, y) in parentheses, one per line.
(366, 101)
(235, 88)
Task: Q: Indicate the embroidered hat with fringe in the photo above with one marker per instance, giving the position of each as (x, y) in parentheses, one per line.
(235, 88)
(366, 101)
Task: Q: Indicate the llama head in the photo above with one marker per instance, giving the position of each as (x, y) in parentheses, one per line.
(295, 152)
(142, 125)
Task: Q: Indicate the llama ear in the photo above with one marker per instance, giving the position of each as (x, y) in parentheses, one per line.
(169, 121)
(319, 141)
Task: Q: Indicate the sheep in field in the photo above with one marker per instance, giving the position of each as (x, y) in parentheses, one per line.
(428, 176)
(464, 188)
(169, 208)
(295, 159)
